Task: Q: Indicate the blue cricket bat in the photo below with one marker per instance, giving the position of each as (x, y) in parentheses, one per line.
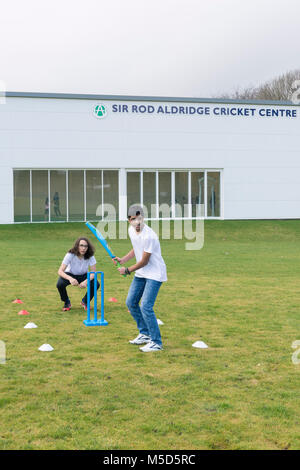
(102, 240)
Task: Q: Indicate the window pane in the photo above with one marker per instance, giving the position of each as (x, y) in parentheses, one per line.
(149, 193)
(58, 194)
(133, 188)
(213, 194)
(165, 194)
(197, 182)
(40, 201)
(111, 191)
(181, 193)
(21, 196)
(93, 193)
(76, 195)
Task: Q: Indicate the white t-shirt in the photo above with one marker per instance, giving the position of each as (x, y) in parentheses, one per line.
(77, 265)
(148, 241)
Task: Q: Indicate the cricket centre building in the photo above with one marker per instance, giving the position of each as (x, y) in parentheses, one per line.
(67, 157)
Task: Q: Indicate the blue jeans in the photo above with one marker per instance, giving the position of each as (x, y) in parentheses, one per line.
(147, 290)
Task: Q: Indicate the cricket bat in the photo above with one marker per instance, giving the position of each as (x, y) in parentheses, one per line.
(103, 242)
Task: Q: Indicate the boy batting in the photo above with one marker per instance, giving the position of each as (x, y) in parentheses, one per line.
(150, 272)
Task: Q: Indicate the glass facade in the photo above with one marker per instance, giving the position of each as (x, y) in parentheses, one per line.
(197, 192)
(149, 193)
(40, 196)
(111, 194)
(21, 196)
(79, 195)
(76, 194)
(94, 188)
(213, 194)
(164, 194)
(133, 188)
(58, 203)
(181, 193)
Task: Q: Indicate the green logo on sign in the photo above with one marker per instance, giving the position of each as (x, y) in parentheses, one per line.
(100, 111)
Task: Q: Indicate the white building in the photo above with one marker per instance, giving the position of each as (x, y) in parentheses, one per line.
(78, 152)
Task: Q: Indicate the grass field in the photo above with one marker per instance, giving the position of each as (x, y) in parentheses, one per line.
(240, 294)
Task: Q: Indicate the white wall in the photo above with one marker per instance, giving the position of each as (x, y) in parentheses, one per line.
(260, 156)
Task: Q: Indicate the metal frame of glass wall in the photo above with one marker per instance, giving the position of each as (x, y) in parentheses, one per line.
(209, 191)
(65, 195)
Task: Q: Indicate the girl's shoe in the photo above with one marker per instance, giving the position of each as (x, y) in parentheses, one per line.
(67, 306)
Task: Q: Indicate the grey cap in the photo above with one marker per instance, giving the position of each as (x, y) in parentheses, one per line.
(135, 210)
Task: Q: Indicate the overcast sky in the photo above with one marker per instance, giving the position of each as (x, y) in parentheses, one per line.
(188, 48)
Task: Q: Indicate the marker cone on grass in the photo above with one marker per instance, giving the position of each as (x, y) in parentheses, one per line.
(46, 347)
(17, 301)
(23, 312)
(200, 345)
(30, 325)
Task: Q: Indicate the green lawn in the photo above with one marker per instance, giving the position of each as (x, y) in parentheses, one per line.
(240, 294)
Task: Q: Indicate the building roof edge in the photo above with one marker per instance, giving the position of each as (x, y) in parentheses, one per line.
(95, 97)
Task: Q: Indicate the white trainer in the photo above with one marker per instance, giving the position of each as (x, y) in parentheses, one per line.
(151, 347)
(140, 339)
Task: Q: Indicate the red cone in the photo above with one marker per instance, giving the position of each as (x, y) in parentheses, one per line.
(23, 312)
(112, 299)
(17, 301)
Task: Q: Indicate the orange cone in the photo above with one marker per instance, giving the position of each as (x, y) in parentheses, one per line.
(112, 299)
(17, 301)
(23, 312)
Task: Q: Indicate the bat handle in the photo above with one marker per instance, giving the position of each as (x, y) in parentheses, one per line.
(119, 266)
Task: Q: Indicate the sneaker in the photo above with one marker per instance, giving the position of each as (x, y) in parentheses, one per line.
(67, 306)
(151, 346)
(84, 305)
(140, 339)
